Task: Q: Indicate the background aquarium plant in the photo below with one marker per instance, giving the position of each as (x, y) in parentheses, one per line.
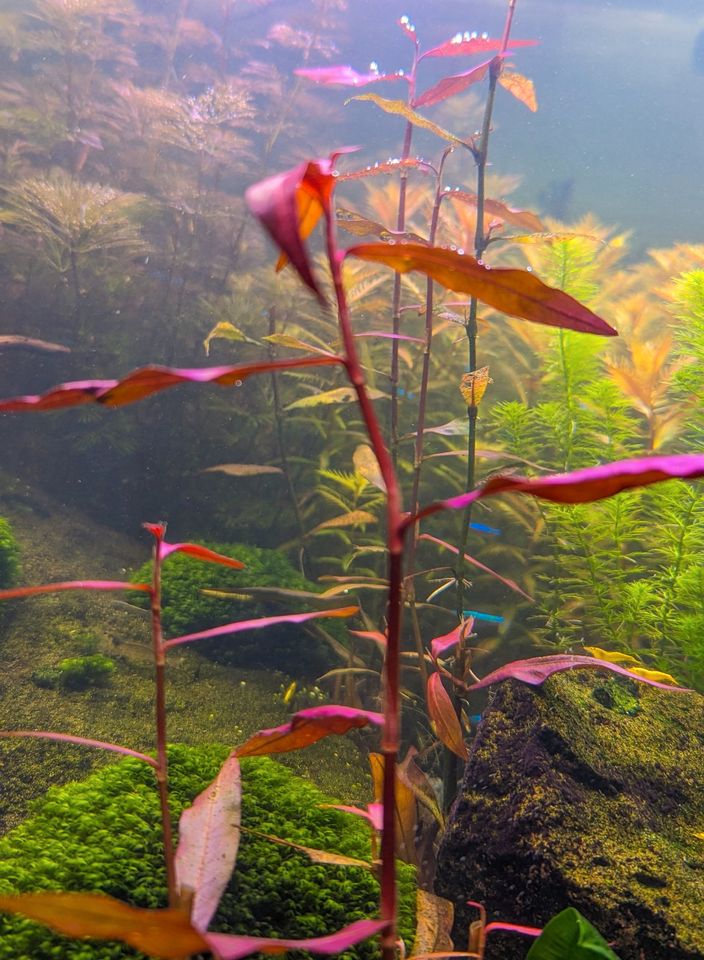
(396, 450)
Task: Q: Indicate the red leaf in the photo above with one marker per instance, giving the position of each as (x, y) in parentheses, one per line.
(582, 486)
(388, 166)
(200, 553)
(289, 204)
(231, 947)
(208, 838)
(515, 292)
(148, 380)
(536, 670)
(81, 742)
(374, 813)
(343, 76)
(511, 584)
(450, 86)
(159, 933)
(524, 219)
(465, 45)
(306, 727)
(440, 645)
(442, 713)
(72, 585)
(239, 625)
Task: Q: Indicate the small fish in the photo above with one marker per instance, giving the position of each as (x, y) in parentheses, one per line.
(290, 692)
(483, 528)
(612, 656)
(488, 617)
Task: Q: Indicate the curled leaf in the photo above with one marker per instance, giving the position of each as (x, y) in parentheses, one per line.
(366, 464)
(199, 552)
(306, 727)
(521, 87)
(442, 713)
(473, 385)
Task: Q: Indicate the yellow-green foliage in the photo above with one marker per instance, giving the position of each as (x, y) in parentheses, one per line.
(103, 835)
(8, 554)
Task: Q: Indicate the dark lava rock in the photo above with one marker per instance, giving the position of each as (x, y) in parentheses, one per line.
(585, 792)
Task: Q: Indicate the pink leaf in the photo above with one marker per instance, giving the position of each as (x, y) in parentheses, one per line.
(450, 86)
(200, 553)
(536, 670)
(289, 204)
(513, 928)
(239, 625)
(464, 45)
(343, 76)
(374, 813)
(441, 645)
(582, 486)
(72, 585)
(306, 727)
(81, 741)
(209, 836)
(231, 947)
(442, 713)
(479, 565)
(148, 380)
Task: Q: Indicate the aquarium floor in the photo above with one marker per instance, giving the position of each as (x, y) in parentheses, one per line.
(206, 702)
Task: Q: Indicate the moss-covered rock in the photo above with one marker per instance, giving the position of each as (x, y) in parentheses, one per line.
(103, 835)
(585, 792)
(297, 650)
(9, 554)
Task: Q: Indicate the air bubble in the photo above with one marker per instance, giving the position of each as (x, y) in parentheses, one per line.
(374, 66)
(467, 35)
(457, 38)
(485, 35)
(404, 19)
(460, 250)
(391, 243)
(401, 73)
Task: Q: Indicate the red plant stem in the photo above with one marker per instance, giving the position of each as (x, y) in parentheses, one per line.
(396, 294)
(160, 717)
(394, 539)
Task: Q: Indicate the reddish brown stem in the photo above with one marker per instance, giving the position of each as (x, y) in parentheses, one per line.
(394, 537)
(162, 767)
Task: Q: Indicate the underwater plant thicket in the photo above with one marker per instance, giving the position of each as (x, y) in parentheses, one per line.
(127, 138)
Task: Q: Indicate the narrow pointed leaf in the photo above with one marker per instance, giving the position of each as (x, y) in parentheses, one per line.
(200, 553)
(166, 934)
(388, 166)
(507, 582)
(79, 741)
(583, 486)
(450, 86)
(28, 343)
(374, 635)
(327, 397)
(208, 838)
(306, 727)
(231, 947)
(343, 76)
(14, 592)
(513, 928)
(354, 518)
(515, 292)
(465, 45)
(402, 109)
(148, 380)
(536, 671)
(327, 857)
(242, 469)
(442, 713)
(239, 626)
(374, 814)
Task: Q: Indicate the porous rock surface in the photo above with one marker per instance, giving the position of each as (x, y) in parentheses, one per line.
(585, 792)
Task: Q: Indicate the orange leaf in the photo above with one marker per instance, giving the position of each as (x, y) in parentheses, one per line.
(434, 918)
(306, 727)
(515, 292)
(166, 934)
(406, 809)
(442, 713)
(521, 87)
(473, 385)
